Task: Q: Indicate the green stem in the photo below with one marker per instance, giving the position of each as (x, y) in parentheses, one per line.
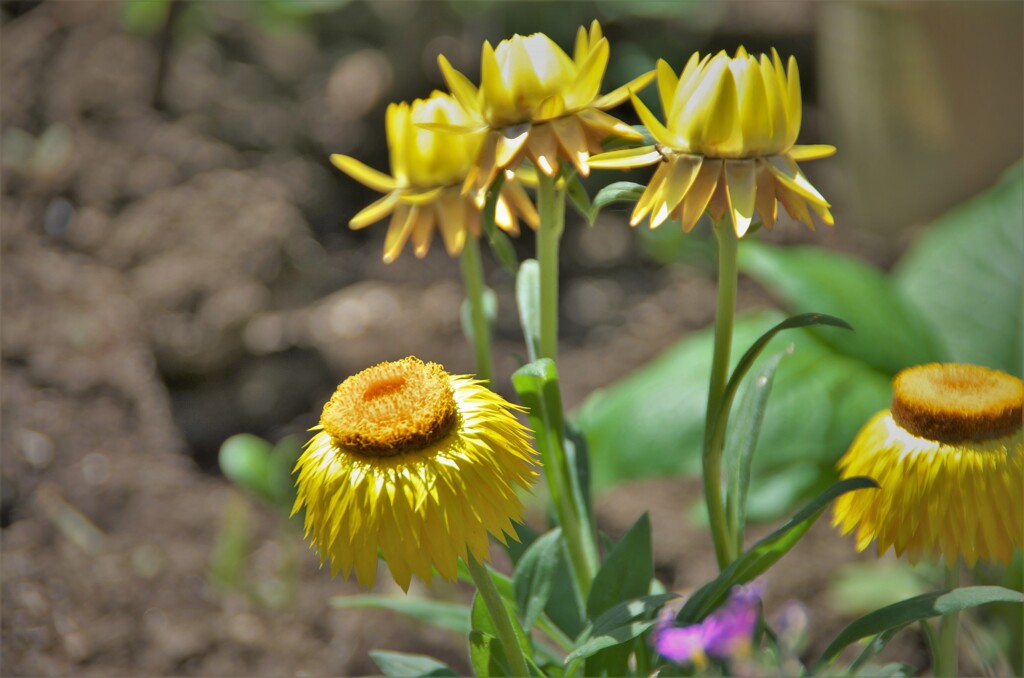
(473, 279)
(946, 656)
(715, 420)
(551, 207)
(499, 614)
(577, 527)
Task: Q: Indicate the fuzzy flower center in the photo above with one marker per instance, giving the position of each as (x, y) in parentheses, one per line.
(954, 403)
(391, 408)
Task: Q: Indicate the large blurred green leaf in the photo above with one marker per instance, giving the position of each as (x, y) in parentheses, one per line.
(966, 275)
(891, 334)
(652, 421)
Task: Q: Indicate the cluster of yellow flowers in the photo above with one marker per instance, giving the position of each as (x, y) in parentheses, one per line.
(422, 465)
(728, 142)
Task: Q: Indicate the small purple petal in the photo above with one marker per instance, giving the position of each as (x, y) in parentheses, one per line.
(680, 644)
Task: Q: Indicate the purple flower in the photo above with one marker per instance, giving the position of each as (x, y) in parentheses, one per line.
(723, 634)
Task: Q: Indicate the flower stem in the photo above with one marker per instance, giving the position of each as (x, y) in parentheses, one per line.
(570, 507)
(499, 614)
(551, 207)
(946, 656)
(715, 421)
(473, 279)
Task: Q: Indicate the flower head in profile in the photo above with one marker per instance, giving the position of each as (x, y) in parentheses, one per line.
(415, 463)
(428, 168)
(535, 101)
(725, 633)
(728, 144)
(949, 460)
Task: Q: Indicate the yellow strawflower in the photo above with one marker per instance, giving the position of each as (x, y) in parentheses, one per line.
(428, 169)
(949, 460)
(536, 102)
(416, 463)
(727, 144)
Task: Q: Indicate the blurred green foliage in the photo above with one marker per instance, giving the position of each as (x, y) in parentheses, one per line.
(260, 468)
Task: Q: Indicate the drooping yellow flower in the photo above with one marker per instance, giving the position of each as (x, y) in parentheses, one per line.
(728, 144)
(428, 169)
(536, 102)
(417, 463)
(949, 461)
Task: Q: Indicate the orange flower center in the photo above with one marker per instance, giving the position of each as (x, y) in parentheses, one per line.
(391, 408)
(955, 403)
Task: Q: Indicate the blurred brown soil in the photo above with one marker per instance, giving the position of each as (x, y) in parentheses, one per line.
(173, 277)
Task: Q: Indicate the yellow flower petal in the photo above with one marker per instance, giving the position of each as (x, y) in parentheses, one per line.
(620, 94)
(699, 195)
(741, 185)
(364, 174)
(461, 88)
(451, 217)
(402, 222)
(811, 152)
(589, 76)
(794, 107)
(787, 172)
(667, 84)
(654, 126)
(626, 158)
(650, 196)
(604, 125)
(497, 97)
(685, 169)
(510, 142)
(767, 206)
(422, 233)
(573, 142)
(374, 212)
(542, 148)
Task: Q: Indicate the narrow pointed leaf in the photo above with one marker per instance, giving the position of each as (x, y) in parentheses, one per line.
(451, 616)
(920, 607)
(764, 553)
(535, 575)
(407, 665)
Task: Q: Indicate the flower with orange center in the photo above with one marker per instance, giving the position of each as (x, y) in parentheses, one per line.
(536, 102)
(428, 169)
(728, 144)
(417, 464)
(949, 460)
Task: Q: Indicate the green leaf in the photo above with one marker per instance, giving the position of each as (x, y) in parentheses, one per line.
(625, 574)
(965, 276)
(619, 191)
(618, 624)
(764, 553)
(535, 574)
(485, 650)
(891, 334)
(528, 304)
(914, 609)
(627, 571)
(743, 366)
(580, 200)
(501, 246)
(451, 616)
(245, 460)
(651, 423)
(407, 665)
(742, 439)
(490, 300)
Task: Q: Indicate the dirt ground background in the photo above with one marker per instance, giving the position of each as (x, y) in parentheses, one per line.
(176, 269)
